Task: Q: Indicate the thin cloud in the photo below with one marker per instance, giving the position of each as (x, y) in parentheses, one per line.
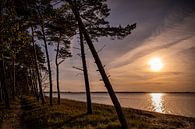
(168, 43)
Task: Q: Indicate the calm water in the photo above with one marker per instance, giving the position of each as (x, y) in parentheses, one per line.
(169, 103)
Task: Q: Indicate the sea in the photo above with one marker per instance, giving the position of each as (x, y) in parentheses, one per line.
(167, 103)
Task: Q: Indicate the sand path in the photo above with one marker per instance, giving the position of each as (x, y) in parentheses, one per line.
(14, 121)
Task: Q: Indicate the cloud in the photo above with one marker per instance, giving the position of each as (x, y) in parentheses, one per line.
(164, 28)
(169, 42)
(167, 38)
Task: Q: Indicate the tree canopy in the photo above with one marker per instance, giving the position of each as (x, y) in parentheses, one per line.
(26, 24)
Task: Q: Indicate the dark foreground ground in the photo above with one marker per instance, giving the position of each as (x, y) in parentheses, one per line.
(27, 113)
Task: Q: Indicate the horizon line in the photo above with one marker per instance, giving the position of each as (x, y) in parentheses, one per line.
(122, 92)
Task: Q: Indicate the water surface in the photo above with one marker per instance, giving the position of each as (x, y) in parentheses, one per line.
(169, 103)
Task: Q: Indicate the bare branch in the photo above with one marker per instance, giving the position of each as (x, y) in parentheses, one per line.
(61, 62)
(77, 68)
(78, 54)
(57, 2)
(77, 48)
(101, 49)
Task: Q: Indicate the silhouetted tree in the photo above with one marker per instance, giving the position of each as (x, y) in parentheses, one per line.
(37, 67)
(44, 12)
(60, 30)
(15, 51)
(95, 12)
(85, 73)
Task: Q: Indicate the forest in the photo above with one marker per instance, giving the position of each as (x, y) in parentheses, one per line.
(29, 27)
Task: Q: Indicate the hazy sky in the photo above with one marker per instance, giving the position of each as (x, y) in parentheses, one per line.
(165, 29)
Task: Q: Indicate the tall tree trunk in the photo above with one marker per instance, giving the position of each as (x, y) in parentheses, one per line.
(32, 85)
(32, 82)
(4, 86)
(2, 67)
(14, 78)
(100, 68)
(57, 71)
(85, 72)
(35, 84)
(27, 83)
(37, 67)
(48, 64)
(1, 95)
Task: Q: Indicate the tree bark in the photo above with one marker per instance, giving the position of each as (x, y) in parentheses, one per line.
(48, 64)
(2, 66)
(57, 71)
(14, 78)
(27, 83)
(32, 82)
(4, 86)
(1, 94)
(35, 85)
(1, 99)
(100, 68)
(85, 72)
(37, 68)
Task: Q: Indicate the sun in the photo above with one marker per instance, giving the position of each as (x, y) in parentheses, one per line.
(155, 64)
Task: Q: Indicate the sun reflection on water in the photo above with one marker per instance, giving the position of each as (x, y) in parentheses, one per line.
(157, 102)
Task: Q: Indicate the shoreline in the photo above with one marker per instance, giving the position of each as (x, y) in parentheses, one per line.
(124, 108)
(184, 111)
(138, 118)
(71, 114)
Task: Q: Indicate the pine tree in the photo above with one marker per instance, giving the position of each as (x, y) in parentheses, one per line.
(90, 17)
(60, 30)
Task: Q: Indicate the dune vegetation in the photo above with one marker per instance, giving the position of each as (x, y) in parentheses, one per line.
(72, 115)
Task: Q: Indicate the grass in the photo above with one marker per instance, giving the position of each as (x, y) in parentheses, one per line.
(72, 115)
(3, 114)
(7, 113)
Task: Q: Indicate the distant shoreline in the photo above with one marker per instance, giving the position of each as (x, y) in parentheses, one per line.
(122, 92)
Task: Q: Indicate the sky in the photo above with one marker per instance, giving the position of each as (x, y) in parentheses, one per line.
(165, 29)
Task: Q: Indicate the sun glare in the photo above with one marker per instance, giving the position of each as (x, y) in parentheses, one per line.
(156, 64)
(157, 102)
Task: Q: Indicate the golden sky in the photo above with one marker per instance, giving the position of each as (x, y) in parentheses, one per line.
(165, 29)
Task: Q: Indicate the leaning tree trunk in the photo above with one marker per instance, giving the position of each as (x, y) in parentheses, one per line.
(57, 71)
(48, 64)
(37, 68)
(100, 68)
(89, 107)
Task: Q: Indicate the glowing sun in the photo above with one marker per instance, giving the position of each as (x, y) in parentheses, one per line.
(155, 64)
